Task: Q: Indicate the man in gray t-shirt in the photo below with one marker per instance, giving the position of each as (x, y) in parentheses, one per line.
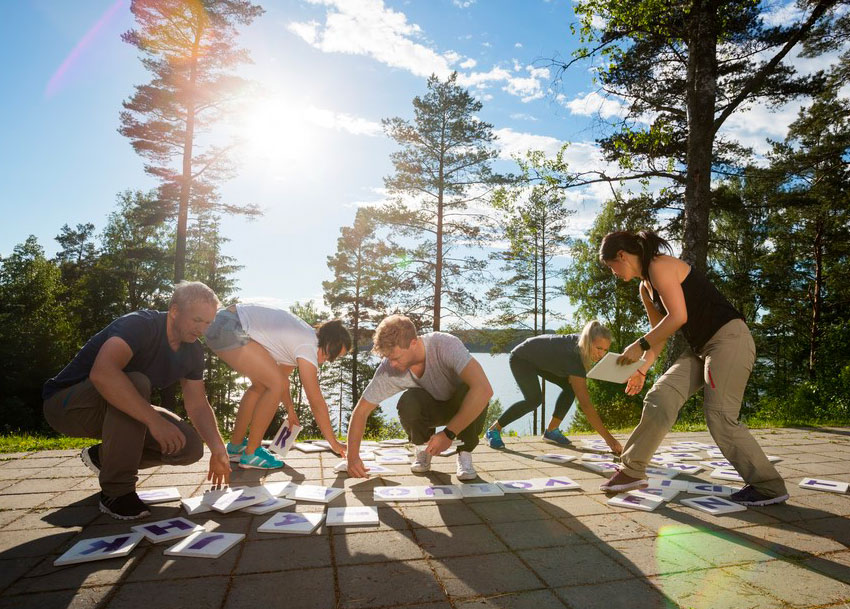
(443, 385)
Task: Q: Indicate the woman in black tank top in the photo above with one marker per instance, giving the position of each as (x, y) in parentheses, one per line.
(721, 355)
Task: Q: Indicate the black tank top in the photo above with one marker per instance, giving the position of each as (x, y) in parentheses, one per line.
(708, 310)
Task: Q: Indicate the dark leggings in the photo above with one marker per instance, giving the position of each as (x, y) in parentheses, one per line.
(526, 375)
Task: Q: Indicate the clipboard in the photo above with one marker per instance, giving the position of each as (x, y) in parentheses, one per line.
(607, 369)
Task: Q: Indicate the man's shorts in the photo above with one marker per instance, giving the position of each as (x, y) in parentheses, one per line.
(225, 332)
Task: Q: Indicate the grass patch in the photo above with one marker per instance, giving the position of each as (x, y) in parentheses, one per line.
(19, 443)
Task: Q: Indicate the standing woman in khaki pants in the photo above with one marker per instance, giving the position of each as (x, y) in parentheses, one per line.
(719, 361)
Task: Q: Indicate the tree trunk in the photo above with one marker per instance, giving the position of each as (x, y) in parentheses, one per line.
(817, 299)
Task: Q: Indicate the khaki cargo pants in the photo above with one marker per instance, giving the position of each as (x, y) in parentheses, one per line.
(722, 368)
(80, 411)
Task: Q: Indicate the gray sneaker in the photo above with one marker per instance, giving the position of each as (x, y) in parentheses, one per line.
(422, 463)
(750, 496)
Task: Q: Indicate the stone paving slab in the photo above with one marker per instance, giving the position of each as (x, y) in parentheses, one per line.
(559, 549)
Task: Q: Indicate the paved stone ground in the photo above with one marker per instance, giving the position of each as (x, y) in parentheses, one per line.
(560, 549)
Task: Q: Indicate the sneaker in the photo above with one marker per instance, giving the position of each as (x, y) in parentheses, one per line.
(260, 459)
(422, 463)
(555, 436)
(235, 451)
(125, 507)
(465, 470)
(494, 438)
(622, 482)
(91, 457)
(750, 496)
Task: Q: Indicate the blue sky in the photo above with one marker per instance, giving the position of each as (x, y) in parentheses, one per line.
(331, 70)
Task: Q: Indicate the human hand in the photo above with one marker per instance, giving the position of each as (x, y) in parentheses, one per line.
(171, 440)
(615, 446)
(635, 383)
(338, 447)
(356, 469)
(292, 419)
(437, 444)
(219, 472)
(632, 354)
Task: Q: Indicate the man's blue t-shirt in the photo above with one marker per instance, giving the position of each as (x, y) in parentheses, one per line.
(145, 333)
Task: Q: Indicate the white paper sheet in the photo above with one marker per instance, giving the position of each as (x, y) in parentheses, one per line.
(607, 369)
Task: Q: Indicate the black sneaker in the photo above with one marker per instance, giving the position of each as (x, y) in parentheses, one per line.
(125, 507)
(750, 496)
(91, 458)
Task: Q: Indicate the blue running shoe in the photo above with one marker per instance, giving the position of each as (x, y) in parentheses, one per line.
(235, 451)
(260, 459)
(494, 438)
(556, 437)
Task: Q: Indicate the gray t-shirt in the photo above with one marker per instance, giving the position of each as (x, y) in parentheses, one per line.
(445, 359)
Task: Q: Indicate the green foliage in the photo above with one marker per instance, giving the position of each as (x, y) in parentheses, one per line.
(20, 443)
(494, 411)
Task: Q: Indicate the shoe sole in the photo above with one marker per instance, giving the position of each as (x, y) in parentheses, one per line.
(248, 466)
(86, 459)
(109, 512)
(556, 443)
(771, 501)
(616, 488)
(467, 476)
(419, 470)
(235, 458)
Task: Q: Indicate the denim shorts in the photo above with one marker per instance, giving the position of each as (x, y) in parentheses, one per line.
(225, 332)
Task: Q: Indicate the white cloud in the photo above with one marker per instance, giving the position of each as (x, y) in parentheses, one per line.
(515, 143)
(463, 3)
(367, 27)
(782, 14)
(593, 103)
(343, 122)
(518, 45)
(521, 116)
(468, 64)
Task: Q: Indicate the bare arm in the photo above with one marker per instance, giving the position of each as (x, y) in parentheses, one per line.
(310, 382)
(108, 377)
(201, 414)
(474, 402)
(286, 394)
(356, 427)
(579, 386)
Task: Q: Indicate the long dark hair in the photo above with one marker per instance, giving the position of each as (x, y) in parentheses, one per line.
(644, 244)
(333, 337)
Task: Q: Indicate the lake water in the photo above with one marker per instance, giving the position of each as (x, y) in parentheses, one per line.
(505, 389)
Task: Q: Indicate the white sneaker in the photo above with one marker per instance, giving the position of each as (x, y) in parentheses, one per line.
(465, 471)
(422, 463)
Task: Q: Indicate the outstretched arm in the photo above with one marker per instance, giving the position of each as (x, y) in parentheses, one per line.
(579, 386)
(201, 414)
(310, 382)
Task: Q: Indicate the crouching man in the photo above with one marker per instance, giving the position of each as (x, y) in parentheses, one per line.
(105, 393)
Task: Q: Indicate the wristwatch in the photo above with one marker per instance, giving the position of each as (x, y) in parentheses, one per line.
(644, 344)
(451, 435)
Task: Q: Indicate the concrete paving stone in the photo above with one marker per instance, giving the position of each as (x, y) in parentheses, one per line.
(793, 583)
(575, 504)
(653, 556)
(15, 456)
(45, 577)
(584, 564)
(165, 480)
(72, 516)
(195, 592)
(37, 461)
(87, 484)
(537, 534)
(473, 539)
(721, 548)
(733, 520)
(486, 575)
(16, 502)
(829, 503)
(13, 568)
(439, 514)
(607, 527)
(83, 497)
(285, 553)
(834, 528)
(791, 541)
(33, 542)
(386, 585)
(314, 589)
(828, 470)
(379, 546)
(42, 485)
(509, 511)
(155, 566)
(835, 565)
(84, 598)
(628, 594)
(536, 599)
(8, 517)
(713, 589)
(661, 523)
(790, 511)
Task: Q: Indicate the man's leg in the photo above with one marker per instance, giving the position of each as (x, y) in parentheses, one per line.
(415, 407)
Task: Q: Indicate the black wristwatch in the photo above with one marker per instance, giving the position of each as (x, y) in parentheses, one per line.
(644, 344)
(451, 435)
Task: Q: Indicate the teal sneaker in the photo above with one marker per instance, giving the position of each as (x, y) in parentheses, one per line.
(494, 438)
(234, 451)
(261, 459)
(556, 437)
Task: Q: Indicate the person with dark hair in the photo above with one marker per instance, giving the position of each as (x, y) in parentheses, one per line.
(105, 393)
(266, 344)
(677, 296)
(562, 359)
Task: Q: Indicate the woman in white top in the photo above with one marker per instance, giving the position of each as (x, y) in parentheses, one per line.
(266, 344)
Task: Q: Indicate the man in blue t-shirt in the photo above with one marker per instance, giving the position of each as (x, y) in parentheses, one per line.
(105, 393)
